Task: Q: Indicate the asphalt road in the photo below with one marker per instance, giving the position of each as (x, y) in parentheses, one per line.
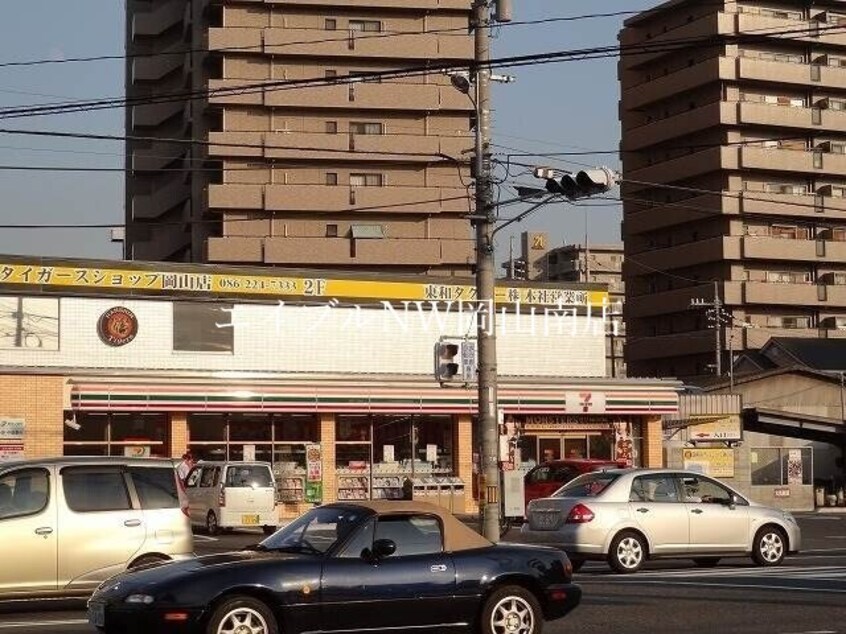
(807, 595)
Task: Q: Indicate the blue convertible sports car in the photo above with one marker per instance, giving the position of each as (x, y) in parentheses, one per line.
(349, 567)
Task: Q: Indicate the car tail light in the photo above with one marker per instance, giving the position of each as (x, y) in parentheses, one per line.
(221, 498)
(580, 514)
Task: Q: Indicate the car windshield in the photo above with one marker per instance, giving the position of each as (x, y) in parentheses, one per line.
(589, 485)
(315, 532)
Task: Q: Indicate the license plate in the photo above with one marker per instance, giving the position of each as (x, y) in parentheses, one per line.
(545, 521)
(250, 520)
(97, 614)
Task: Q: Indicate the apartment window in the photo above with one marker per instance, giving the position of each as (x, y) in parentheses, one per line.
(366, 180)
(330, 24)
(331, 178)
(373, 26)
(788, 277)
(203, 327)
(836, 104)
(331, 127)
(838, 192)
(782, 188)
(790, 232)
(366, 128)
(793, 322)
(331, 231)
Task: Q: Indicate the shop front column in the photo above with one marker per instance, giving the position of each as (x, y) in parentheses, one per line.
(653, 443)
(464, 459)
(327, 447)
(179, 439)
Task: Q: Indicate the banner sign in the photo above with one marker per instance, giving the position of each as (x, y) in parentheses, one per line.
(126, 279)
(715, 428)
(314, 474)
(717, 463)
(11, 452)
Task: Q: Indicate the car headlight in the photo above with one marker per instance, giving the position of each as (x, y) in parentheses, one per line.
(144, 599)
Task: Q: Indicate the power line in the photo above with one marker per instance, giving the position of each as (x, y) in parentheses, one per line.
(205, 143)
(273, 47)
(669, 45)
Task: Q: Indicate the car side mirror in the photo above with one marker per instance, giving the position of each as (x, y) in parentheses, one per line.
(384, 548)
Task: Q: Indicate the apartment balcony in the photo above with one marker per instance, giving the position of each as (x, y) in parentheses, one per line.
(341, 252)
(353, 96)
(641, 218)
(416, 6)
(664, 302)
(342, 146)
(764, 247)
(153, 115)
(163, 17)
(158, 157)
(163, 199)
(704, 117)
(755, 338)
(156, 67)
(685, 79)
(342, 44)
(312, 198)
(775, 293)
(684, 167)
(679, 344)
(688, 254)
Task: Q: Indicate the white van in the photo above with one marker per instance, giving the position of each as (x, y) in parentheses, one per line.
(68, 524)
(225, 495)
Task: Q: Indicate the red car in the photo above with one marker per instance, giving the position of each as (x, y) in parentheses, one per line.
(545, 479)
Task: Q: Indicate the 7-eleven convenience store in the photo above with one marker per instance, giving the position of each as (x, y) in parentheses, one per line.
(329, 379)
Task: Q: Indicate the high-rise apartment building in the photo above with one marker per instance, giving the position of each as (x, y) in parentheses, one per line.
(733, 142)
(370, 175)
(582, 263)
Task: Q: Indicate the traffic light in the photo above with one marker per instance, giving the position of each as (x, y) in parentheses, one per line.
(455, 361)
(582, 184)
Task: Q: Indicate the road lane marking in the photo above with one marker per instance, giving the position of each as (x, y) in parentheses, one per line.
(205, 538)
(21, 624)
(748, 586)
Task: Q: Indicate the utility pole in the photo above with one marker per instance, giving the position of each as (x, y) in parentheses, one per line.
(511, 258)
(486, 323)
(717, 317)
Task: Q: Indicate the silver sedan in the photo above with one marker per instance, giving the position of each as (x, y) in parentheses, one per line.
(626, 516)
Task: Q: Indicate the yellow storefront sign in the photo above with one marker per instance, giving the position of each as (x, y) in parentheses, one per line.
(127, 279)
(717, 463)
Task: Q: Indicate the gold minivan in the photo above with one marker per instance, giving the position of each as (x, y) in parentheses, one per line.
(67, 524)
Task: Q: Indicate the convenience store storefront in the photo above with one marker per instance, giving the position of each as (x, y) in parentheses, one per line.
(328, 376)
(371, 440)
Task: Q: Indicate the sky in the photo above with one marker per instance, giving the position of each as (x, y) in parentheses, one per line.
(550, 108)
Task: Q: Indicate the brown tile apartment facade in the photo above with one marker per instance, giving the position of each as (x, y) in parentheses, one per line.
(343, 175)
(733, 143)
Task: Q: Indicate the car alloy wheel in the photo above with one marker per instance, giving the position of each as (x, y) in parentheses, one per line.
(627, 553)
(769, 547)
(512, 610)
(242, 615)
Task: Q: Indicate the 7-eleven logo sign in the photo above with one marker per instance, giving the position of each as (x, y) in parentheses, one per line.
(585, 402)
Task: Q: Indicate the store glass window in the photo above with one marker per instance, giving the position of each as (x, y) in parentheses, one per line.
(118, 434)
(279, 439)
(377, 455)
(203, 327)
